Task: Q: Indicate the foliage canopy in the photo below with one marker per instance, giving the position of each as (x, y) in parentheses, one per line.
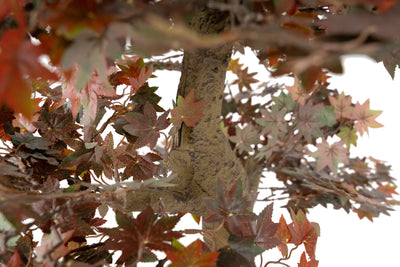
(83, 133)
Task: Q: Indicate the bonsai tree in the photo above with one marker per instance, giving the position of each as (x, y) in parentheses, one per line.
(83, 132)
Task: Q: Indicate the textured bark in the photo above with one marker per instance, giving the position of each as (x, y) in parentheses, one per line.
(201, 155)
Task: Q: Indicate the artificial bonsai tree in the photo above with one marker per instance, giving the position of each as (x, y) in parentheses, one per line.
(83, 133)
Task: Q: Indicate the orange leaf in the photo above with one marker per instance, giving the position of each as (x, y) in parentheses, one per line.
(304, 263)
(19, 59)
(191, 255)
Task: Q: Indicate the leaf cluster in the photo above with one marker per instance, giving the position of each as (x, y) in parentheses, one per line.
(81, 126)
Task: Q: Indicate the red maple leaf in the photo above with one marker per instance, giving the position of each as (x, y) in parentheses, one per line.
(231, 206)
(88, 96)
(284, 235)
(134, 235)
(134, 72)
(19, 59)
(304, 231)
(365, 117)
(146, 126)
(304, 263)
(139, 167)
(266, 229)
(191, 255)
(187, 111)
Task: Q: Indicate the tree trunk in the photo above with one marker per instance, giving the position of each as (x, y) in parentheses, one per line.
(202, 155)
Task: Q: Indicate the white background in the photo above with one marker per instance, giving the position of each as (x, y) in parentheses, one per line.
(345, 239)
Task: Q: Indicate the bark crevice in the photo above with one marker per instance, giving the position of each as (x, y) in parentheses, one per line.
(201, 155)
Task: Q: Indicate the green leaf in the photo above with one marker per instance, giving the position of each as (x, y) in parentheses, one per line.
(349, 136)
(327, 116)
(284, 101)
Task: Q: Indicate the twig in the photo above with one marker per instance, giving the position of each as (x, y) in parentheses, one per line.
(283, 258)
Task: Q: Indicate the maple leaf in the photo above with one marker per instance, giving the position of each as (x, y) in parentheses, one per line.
(139, 167)
(349, 136)
(391, 60)
(303, 231)
(273, 122)
(245, 79)
(365, 117)
(244, 138)
(86, 156)
(56, 124)
(248, 111)
(146, 126)
(283, 101)
(145, 232)
(297, 92)
(88, 96)
(147, 94)
(309, 121)
(19, 59)
(284, 235)
(327, 116)
(191, 255)
(231, 206)
(364, 214)
(310, 76)
(134, 72)
(266, 229)
(330, 155)
(187, 111)
(304, 263)
(242, 250)
(389, 189)
(274, 145)
(342, 105)
(234, 65)
(80, 217)
(88, 55)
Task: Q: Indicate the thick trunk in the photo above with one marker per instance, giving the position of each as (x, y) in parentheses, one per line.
(201, 155)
